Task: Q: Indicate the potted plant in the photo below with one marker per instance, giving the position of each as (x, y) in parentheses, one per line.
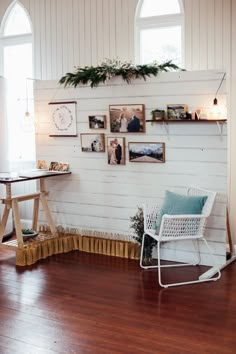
(157, 115)
(137, 223)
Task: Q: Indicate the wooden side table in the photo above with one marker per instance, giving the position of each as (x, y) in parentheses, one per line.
(12, 202)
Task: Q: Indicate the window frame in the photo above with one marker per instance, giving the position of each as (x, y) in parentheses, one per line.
(156, 22)
(16, 39)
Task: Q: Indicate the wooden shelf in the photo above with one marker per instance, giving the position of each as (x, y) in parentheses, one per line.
(188, 121)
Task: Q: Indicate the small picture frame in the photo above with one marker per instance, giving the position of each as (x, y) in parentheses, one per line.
(62, 119)
(115, 151)
(177, 111)
(127, 118)
(92, 142)
(42, 165)
(59, 166)
(97, 122)
(147, 152)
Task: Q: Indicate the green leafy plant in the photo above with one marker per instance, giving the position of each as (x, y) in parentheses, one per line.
(111, 68)
(157, 115)
(137, 223)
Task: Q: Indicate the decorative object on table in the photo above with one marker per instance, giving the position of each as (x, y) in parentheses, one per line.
(137, 223)
(176, 111)
(147, 152)
(97, 122)
(116, 150)
(111, 68)
(28, 234)
(127, 118)
(157, 115)
(63, 119)
(59, 166)
(92, 142)
(42, 165)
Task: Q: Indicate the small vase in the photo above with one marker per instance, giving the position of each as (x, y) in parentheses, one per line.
(147, 256)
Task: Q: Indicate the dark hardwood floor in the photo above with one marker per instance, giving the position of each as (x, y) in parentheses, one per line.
(84, 303)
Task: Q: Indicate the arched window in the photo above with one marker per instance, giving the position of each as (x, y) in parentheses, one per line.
(17, 68)
(159, 31)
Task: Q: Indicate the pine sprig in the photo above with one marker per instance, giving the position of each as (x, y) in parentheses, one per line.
(112, 68)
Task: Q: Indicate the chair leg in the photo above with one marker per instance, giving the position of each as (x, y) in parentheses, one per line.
(188, 282)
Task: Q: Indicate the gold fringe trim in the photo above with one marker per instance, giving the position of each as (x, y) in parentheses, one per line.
(37, 250)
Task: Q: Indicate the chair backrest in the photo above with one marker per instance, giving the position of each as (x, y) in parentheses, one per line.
(206, 210)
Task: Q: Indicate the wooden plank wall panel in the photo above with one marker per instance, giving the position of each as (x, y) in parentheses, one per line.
(101, 197)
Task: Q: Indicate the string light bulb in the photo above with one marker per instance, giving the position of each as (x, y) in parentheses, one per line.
(215, 101)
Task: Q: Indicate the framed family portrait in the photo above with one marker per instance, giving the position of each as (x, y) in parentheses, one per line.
(147, 152)
(92, 142)
(97, 122)
(116, 150)
(62, 119)
(177, 111)
(127, 118)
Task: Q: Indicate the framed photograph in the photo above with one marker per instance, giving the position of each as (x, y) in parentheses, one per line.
(127, 118)
(59, 166)
(116, 151)
(92, 142)
(62, 119)
(147, 152)
(177, 111)
(42, 165)
(97, 122)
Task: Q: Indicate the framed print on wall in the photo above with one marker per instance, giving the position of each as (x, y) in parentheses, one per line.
(147, 152)
(62, 119)
(176, 111)
(92, 142)
(97, 122)
(127, 118)
(115, 151)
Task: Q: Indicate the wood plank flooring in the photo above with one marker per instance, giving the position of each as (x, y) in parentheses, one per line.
(84, 303)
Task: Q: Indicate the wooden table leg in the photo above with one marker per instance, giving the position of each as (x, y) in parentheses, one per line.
(46, 208)
(6, 211)
(35, 214)
(4, 221)
(18, 227)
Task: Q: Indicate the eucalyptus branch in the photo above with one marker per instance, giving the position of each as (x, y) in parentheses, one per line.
(111, 68)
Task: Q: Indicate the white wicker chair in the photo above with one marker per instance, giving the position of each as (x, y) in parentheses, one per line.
(176, 228)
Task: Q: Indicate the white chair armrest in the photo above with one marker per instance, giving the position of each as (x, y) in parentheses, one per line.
(182, 226)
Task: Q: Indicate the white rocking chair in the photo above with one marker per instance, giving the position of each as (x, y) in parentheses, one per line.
(178, 228)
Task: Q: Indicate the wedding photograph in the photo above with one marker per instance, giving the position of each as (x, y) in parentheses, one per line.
(116, 151)
(92, 142)
(97, 122)
(127, 118)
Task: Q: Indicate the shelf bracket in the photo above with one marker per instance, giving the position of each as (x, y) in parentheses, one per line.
(220, 127)
(166, 127)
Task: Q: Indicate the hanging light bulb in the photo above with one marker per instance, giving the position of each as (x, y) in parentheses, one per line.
(215, 101)
(216, 112)
(27, 113)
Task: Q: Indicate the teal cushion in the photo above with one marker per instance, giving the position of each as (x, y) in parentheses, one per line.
(176, 204)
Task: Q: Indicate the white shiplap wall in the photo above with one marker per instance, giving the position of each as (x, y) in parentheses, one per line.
(85, 32)
(102, 197)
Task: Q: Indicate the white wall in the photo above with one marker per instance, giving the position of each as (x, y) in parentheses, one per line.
(83, 32)
(101, 197)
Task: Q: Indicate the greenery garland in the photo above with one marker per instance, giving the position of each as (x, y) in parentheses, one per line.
(112, 68)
